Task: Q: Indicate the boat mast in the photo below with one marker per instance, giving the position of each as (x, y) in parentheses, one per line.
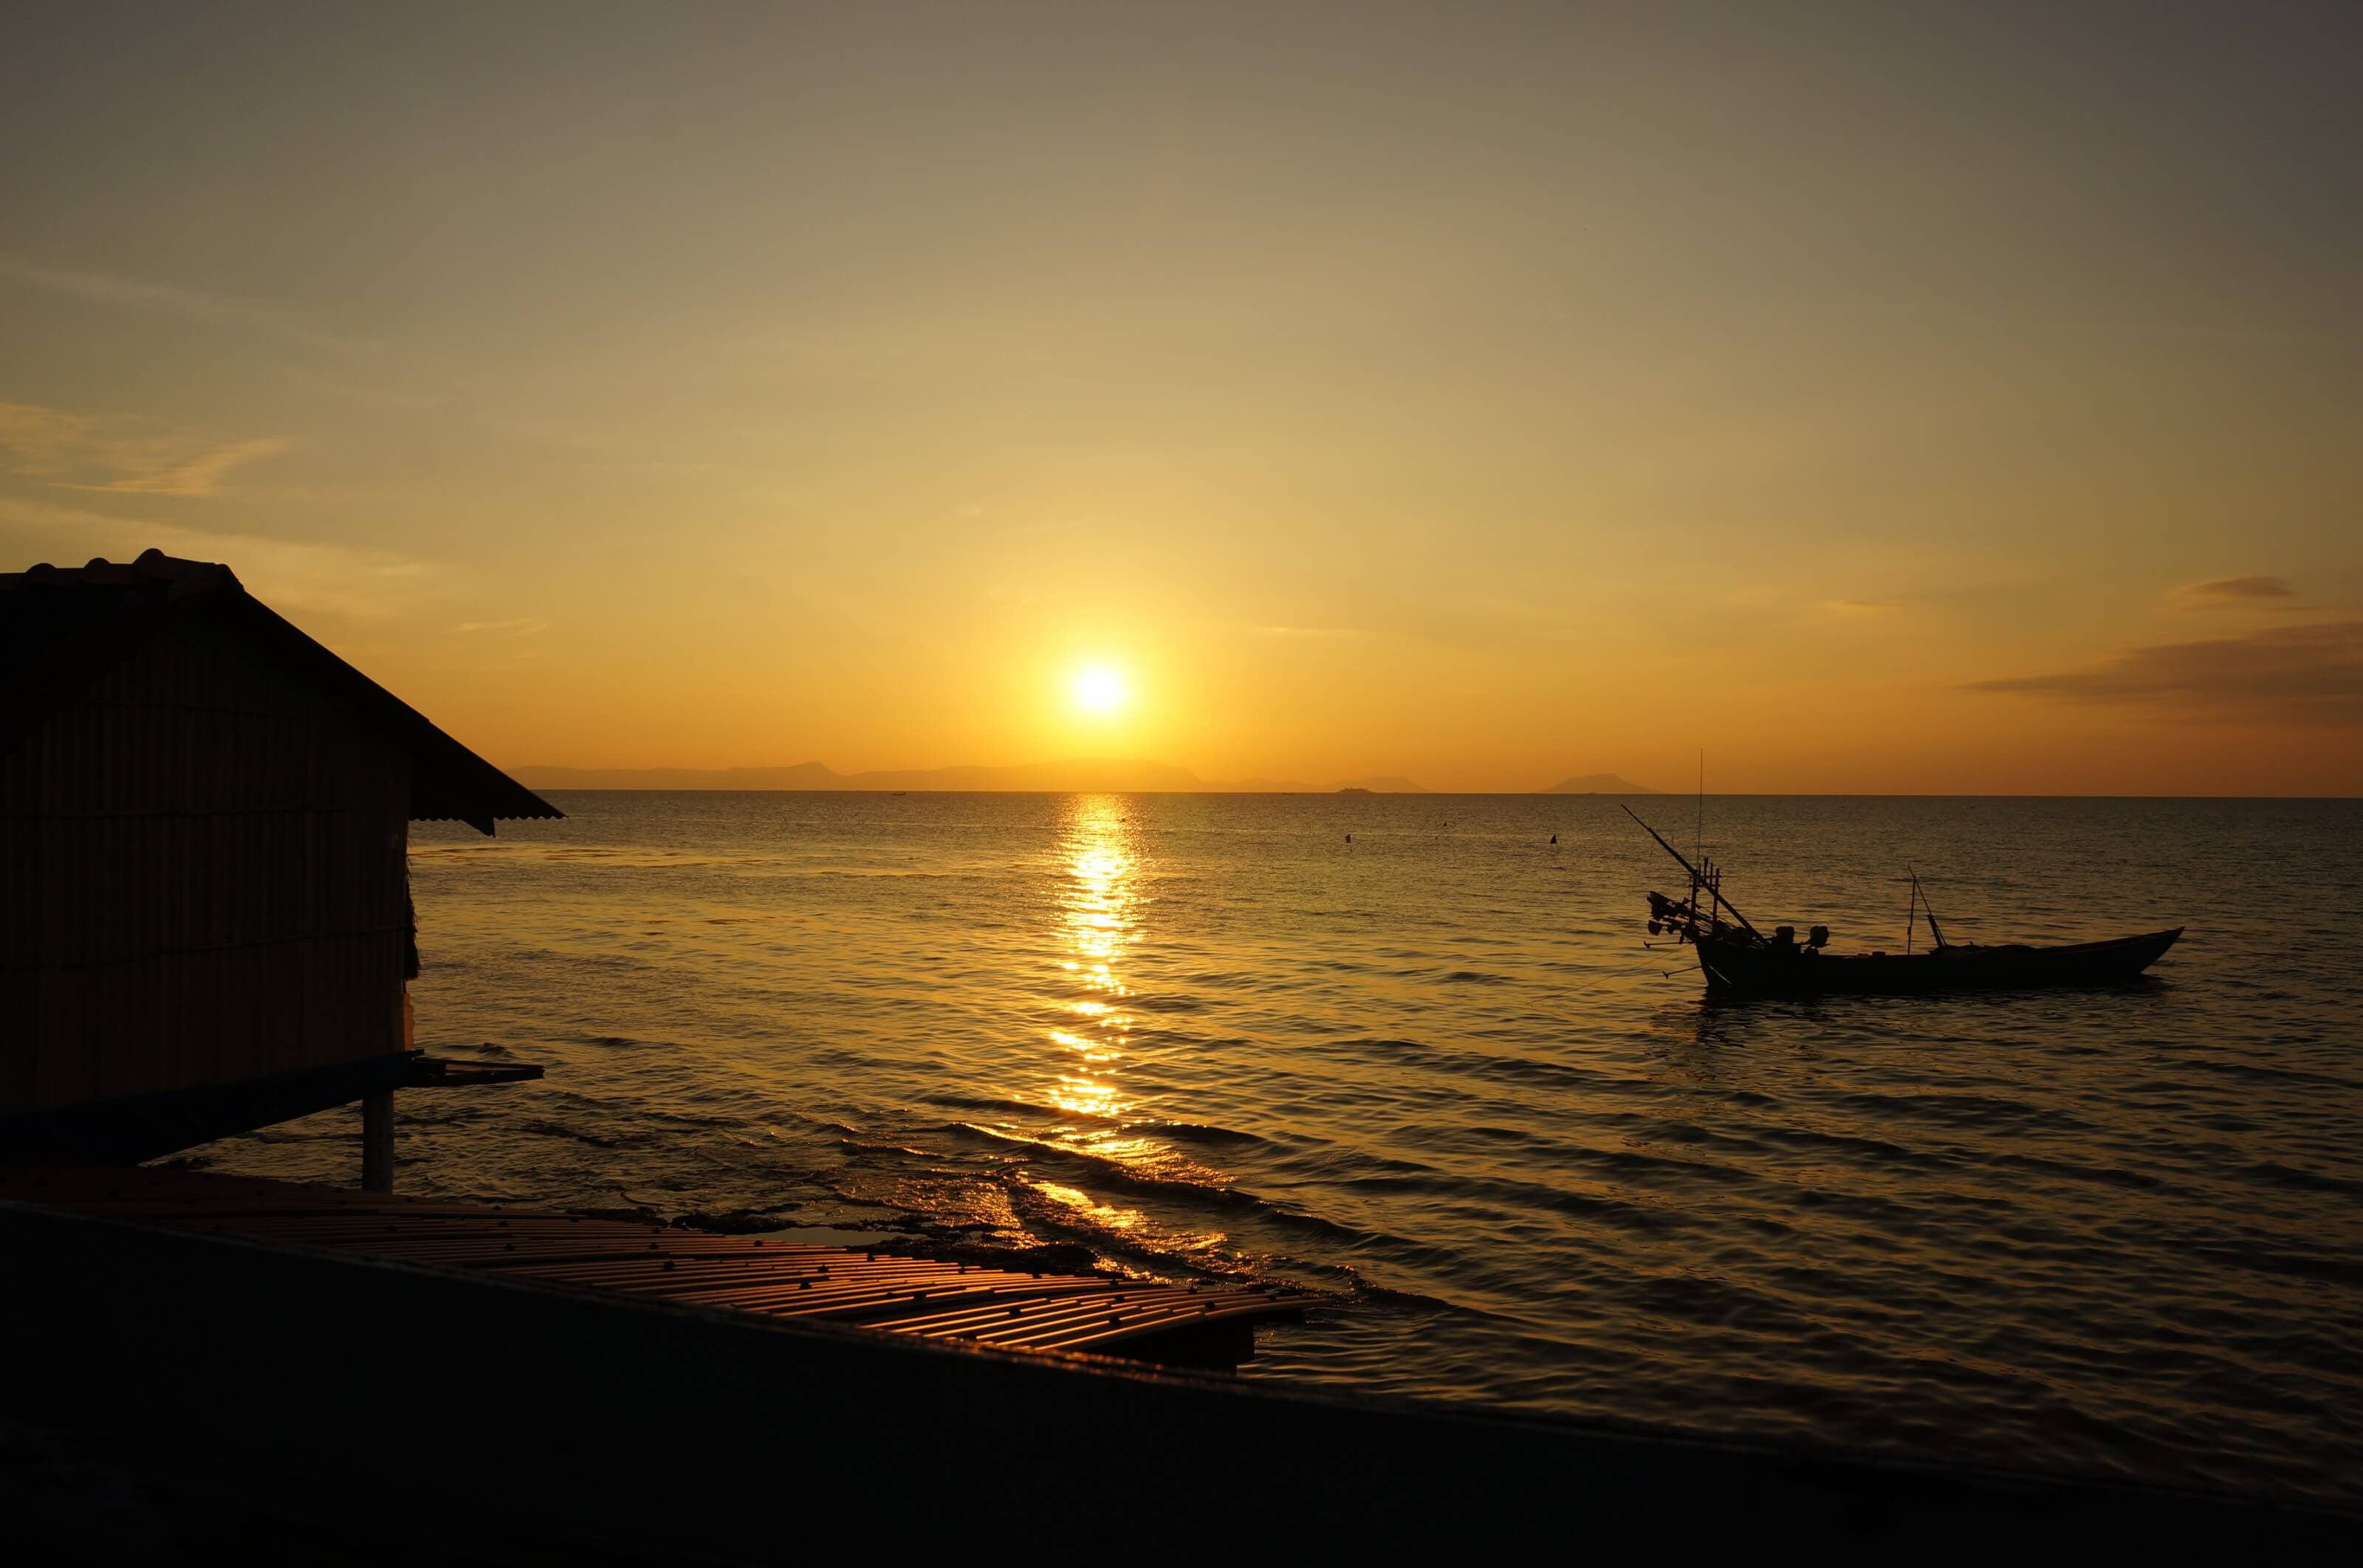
(1700, 840)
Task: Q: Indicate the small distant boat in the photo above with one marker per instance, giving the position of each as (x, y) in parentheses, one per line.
(1739, 960)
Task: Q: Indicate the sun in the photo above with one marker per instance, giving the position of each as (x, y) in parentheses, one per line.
(1099, 690)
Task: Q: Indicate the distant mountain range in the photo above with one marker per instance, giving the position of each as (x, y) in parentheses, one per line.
(1124, 776)
(1094, 775)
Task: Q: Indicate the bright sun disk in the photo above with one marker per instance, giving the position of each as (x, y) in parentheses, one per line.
(1098, 689)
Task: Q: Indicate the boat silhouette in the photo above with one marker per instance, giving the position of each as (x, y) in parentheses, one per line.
(1739, 960)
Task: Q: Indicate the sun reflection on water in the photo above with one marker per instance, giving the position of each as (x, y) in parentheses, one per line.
(1098, 914)
(1083, 1063)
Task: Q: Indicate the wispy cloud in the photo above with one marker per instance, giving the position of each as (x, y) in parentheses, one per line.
(200, 475)
(125, 455)
(522, 626)
(2311, 674)
(166, 299)
(2252, 591)
(1857, 608)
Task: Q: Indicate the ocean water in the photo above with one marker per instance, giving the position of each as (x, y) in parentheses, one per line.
(1410, 1054)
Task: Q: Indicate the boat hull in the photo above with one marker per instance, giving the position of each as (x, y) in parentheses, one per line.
(1734, 969)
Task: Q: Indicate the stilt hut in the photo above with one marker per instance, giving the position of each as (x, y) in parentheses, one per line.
(204, 912)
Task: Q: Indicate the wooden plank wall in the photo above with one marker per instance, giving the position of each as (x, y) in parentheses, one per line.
(201, 881)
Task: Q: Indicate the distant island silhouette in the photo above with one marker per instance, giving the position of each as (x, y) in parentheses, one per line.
(1121, 775)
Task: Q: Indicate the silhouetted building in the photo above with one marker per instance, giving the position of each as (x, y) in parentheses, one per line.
(205, 911)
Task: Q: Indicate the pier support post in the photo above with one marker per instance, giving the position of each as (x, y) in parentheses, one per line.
(377, 1142)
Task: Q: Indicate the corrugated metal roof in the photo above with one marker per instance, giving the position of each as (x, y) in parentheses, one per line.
(62, 627)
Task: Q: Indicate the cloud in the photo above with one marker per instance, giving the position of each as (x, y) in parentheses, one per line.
(2308, 675)
(164, 299)
(121, 454)
(200, 475)
(1858, 607)
(2237, 591)
(522, 626)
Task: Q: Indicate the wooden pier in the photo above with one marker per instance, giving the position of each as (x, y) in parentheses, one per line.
(1195, 1325)
(286, 1400)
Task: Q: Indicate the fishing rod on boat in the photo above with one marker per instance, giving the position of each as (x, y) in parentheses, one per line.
(1929, 909)
(1698, 879)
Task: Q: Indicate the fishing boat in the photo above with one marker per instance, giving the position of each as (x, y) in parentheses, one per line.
(1739, 960)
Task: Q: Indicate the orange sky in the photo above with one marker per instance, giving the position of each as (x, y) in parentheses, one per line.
(1882, 402)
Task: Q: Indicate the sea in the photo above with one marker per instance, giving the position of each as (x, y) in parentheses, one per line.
(1419, 1055)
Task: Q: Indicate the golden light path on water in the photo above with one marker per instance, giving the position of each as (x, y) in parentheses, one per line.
(1099, 908)
(1097, 915)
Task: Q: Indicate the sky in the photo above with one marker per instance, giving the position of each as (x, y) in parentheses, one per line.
(1884, 399)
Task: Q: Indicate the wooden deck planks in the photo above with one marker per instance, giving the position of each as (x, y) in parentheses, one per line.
(885, 1292)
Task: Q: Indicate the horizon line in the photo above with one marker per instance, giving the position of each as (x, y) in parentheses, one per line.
(1448, 794)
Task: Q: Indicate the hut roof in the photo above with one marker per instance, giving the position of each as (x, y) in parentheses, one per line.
(63, 627)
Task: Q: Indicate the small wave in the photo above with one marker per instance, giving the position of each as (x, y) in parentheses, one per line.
(1535, 1197)
(571, 1135)
(1474, 977)
(1197, 1133)
(1182, 1132)
(2284, 1262)
(2257, 1072)
(1045, 1215)
(868, 1146)
(1363, 1292)
(1015, 1107)
(1124, 1177)
(2303, 1181)
(1520, 1071)
(1965, 1112)
(2110, 1175)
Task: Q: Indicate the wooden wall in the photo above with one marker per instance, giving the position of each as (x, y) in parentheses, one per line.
(201, 882)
